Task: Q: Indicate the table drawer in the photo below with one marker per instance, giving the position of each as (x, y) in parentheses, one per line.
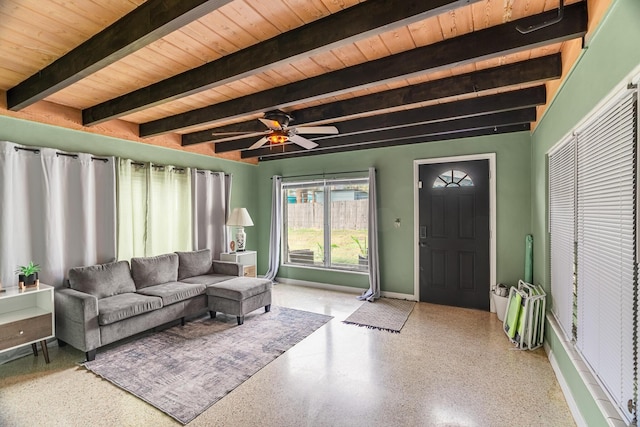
(25, 331)
(249, 270)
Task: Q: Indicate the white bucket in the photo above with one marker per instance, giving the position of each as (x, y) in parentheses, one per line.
(501, 305)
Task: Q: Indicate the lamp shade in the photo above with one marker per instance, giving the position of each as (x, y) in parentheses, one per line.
(240, 218)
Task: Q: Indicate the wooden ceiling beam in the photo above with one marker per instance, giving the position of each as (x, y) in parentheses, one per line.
(147, 23)
(417, 140)
(521, 116)
(348, 26)
(525, 72)
(480, 45)
(506, 101)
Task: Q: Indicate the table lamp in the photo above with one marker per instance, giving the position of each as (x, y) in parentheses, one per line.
(240, 218)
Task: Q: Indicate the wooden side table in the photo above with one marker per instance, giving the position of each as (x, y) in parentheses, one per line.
(26, 317)
(248, 259)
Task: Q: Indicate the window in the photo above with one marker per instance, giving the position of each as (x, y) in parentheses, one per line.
(326, 223)
(453, 178)
(593, 235)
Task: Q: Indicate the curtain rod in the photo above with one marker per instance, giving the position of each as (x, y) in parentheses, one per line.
(58, 153)
(176, 168)
(322, 174)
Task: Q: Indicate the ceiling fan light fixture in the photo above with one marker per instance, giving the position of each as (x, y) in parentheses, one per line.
(278, 138)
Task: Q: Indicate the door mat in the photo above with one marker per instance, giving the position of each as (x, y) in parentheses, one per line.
(385, 314)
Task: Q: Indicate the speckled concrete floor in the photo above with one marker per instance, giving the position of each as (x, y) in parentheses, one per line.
(448, 367)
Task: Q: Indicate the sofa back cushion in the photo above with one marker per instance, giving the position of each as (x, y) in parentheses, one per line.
(194, 263)
(103, 280)
(154, 270)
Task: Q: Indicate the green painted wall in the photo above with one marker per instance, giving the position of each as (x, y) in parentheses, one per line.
(42, 135)
(395, 200)
(612, 53)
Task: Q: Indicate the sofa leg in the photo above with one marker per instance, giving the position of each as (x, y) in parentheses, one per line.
(212, 314)
(267, 308)
(61, 343)
(91, 355)
(182, 321)
(240, 320)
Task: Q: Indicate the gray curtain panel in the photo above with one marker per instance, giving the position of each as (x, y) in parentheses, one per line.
(228, 182)
(373, 292)
(210, 210)
(276, 225)
(57, 210)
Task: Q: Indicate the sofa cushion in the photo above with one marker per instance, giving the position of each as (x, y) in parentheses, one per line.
(173, 292)
(123, 306)
(239, 288)
(154, 270)
(208, 279)
(194, 263)
(102, 280)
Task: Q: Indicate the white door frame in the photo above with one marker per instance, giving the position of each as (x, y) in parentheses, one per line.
(492, 216)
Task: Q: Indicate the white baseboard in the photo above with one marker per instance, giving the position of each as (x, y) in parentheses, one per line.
(397, 295)
(319, 285)
(573, 406)
(339, 288)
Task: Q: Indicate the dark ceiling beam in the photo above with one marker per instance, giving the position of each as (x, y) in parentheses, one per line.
(525, 115)
(506, 101)
(417, 140)
(479, 45)
(503, 76)
(348, 26)
(524, 72)
(145, 24)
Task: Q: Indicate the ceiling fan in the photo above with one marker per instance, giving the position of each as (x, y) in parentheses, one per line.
(280, 132)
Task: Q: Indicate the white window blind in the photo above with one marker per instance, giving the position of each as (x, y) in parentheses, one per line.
(606, 178)
(562, 232)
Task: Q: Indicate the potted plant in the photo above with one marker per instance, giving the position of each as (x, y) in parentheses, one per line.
(28, 274)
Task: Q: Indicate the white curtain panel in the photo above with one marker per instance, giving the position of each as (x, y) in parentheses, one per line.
(169, 210)
(132, 208)
(154, 209)
(276, 226)
(373, 292)
(210, 208)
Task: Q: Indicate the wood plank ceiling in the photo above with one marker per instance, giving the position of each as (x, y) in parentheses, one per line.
(384, 72)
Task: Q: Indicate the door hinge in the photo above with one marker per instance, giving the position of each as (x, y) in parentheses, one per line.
(419, 184)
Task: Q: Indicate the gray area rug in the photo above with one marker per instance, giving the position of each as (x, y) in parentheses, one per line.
(385, 313)
(184, 370)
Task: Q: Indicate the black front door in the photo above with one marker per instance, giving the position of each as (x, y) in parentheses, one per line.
(454, 233)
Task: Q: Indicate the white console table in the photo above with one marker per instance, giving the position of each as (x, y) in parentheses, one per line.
(248, 259)
(26, 317)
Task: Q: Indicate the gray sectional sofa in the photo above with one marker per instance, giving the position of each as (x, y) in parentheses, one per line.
(108, 302)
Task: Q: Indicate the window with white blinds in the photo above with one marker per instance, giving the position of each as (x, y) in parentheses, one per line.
(606, 246)
(562, 232)
(593, 244)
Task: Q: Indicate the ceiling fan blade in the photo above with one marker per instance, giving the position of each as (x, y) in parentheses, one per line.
(325, 130)
(303, 142)
(259, 143)
(271, 124)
